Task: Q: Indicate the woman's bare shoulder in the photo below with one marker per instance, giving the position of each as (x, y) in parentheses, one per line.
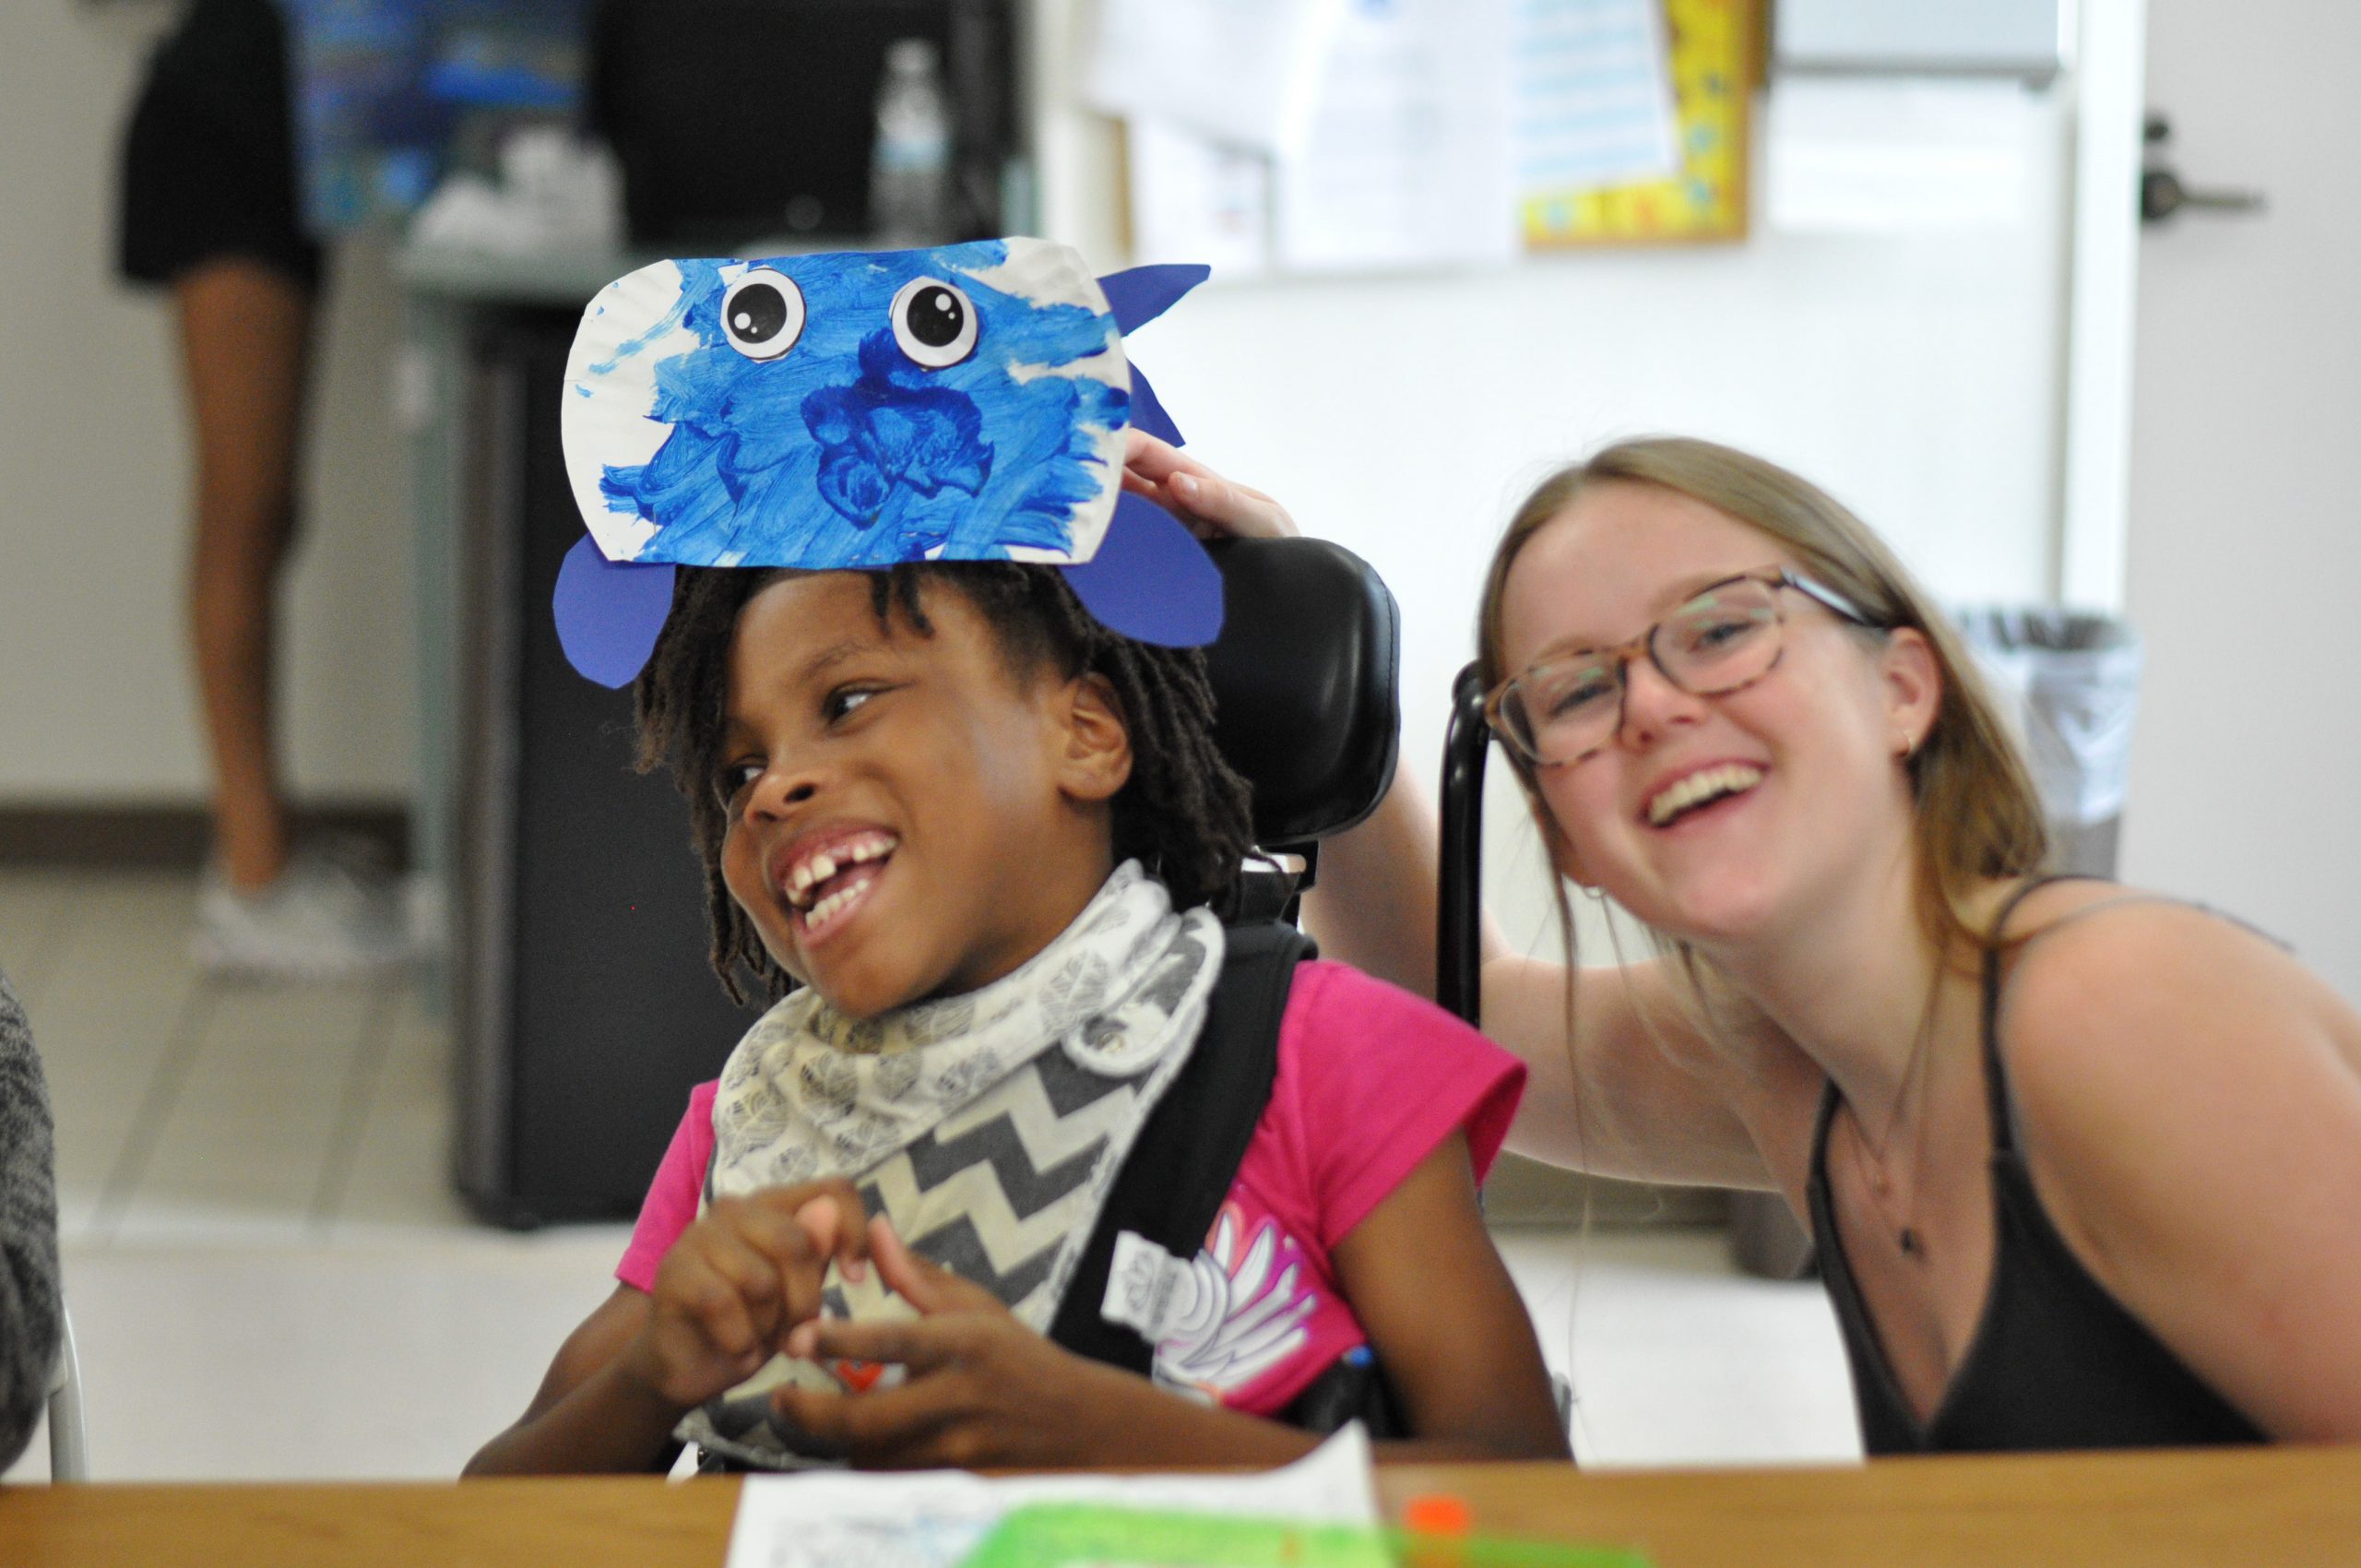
(2189, 1096)
(2099, 962)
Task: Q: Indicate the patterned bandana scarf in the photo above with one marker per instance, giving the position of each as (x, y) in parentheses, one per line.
(988, 1127)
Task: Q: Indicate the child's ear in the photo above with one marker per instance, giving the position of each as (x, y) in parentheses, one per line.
(1096, 759)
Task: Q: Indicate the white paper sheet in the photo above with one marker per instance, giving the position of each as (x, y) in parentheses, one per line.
(1594, 96)
(1406, 162)
(932, 1518)
(1898, 156)
(1239, 71)
(1194, 199)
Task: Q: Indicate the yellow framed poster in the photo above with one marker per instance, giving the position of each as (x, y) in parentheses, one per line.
(1711, 45)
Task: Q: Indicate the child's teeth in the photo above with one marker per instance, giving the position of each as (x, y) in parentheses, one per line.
(819, 868)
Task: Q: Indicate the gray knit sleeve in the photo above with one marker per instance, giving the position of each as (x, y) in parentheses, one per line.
(29, 1300)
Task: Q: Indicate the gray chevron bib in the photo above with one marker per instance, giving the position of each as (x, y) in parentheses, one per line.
(988, 1127)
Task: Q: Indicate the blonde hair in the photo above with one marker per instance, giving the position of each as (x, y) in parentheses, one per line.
(1975, 815)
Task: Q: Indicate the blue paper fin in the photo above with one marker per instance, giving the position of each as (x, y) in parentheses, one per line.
(609, 613)
(1143, 293)
(1148, 410)
(1151, 580)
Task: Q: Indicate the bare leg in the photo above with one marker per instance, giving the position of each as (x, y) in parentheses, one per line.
(245, 335)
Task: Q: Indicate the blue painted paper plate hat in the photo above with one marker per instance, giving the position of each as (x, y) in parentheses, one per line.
(964, 403)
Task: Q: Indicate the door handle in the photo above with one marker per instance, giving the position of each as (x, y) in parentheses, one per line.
(2162, 194)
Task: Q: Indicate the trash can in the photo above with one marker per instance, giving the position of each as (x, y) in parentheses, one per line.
(2070, 681)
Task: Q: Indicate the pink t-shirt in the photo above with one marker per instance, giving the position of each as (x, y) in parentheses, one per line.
(1370, 1079)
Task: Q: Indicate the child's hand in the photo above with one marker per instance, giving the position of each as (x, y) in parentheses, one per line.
(738, 1280)
(1207, 505)
(983, 1390)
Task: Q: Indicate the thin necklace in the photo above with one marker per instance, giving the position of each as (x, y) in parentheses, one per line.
(1906, 1235)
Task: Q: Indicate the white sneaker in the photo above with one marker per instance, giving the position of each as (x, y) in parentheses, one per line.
(333, 912)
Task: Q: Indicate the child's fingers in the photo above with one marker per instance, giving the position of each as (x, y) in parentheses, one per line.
(766, 1239)
(917, 1345)
(924, 1285)
(888, 1426)
(833, 1217)
(712, 1299)
(760, 1287)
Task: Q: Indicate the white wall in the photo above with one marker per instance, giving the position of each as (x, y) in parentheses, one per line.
(2245, 557)
(96, 697)
(1917, 378)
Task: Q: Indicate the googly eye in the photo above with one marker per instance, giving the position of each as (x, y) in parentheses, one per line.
(934, 323)
(762, 313)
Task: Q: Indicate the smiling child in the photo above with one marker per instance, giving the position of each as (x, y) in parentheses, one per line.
(985, 837)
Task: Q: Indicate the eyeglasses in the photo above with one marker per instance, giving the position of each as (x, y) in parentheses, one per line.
(1569, 706)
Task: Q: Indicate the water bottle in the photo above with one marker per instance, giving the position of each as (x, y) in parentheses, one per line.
(909, 174)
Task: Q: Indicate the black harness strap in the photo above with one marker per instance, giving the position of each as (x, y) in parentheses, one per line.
(1184, 1159)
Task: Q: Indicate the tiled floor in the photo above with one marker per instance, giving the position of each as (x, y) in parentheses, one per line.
(270, 1277)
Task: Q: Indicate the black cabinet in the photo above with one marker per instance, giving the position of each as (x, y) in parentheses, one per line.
(582, 1006)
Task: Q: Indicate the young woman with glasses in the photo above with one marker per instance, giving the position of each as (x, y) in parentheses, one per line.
(2082, 1164)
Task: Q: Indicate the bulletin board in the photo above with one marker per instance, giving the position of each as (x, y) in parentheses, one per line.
(1715, 56)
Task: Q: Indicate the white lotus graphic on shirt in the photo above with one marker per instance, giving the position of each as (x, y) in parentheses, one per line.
(1240, 1311)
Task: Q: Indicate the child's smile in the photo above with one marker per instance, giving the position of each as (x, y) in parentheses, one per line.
(909, 817)
(826, 874)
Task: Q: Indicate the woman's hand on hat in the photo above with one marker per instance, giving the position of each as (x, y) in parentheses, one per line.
(1207, 505)
(739, 1280)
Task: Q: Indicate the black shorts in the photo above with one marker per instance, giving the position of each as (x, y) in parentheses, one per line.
(209, 162)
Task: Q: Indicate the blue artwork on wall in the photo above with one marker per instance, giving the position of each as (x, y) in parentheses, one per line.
(392, 94)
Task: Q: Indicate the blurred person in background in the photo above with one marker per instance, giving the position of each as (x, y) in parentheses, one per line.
(210, 212)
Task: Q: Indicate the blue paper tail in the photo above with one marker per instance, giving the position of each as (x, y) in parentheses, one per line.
(609, 613)
(1143, 293)
(1148, 410)
(1151, 580)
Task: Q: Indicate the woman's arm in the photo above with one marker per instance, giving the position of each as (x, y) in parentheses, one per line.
(1655, 1100)
(2190, 1098)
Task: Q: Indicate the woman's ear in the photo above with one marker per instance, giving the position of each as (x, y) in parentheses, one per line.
(1095, 760)
(1912, 681)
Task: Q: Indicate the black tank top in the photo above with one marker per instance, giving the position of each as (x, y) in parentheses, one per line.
(2056, 1361)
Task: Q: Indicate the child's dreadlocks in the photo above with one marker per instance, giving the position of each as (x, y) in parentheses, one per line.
(1184, 814)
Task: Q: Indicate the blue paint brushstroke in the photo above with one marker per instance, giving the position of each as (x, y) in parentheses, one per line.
(843, 452)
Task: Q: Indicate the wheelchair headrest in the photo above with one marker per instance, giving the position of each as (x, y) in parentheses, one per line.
(1305, 681)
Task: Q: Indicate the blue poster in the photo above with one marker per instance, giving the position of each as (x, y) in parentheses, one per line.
(393, 94)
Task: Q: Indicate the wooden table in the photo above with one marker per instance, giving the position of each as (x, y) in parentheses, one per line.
(2285, 1508)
